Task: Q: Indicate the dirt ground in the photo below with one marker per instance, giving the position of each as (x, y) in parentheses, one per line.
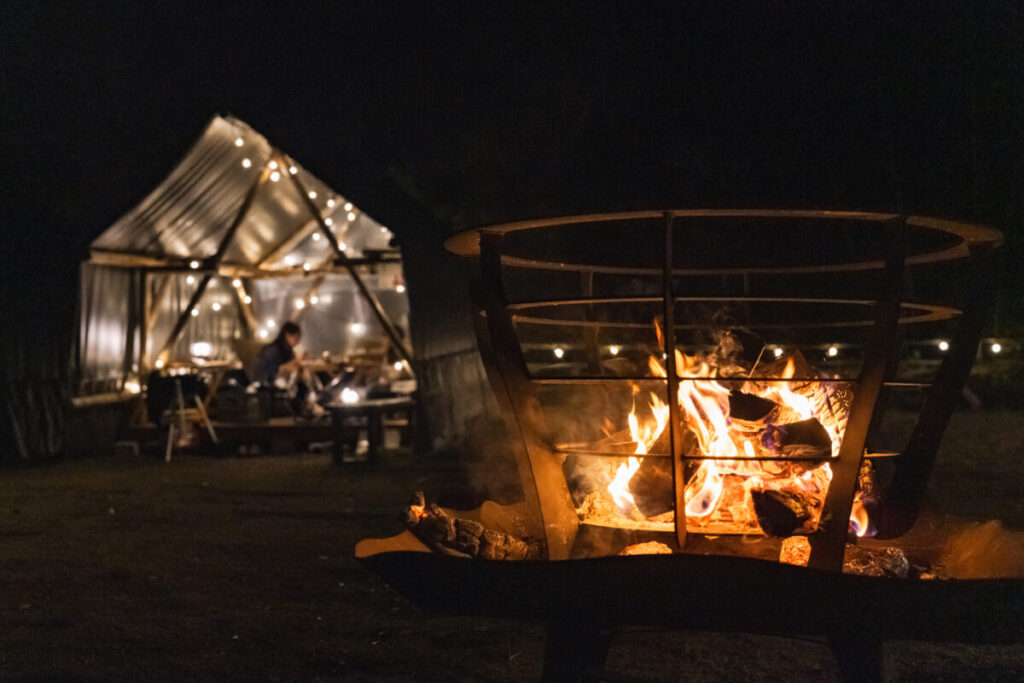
(242, 569)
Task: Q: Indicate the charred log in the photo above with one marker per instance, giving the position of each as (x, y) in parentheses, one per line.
(891, 562)
(782, 513)
(651, 487)
(448, 535)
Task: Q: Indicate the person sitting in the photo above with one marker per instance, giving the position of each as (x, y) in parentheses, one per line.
(278, 366)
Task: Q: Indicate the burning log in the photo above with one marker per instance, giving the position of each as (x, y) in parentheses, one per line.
(795, 550)
(891, 562)
(649, 548)
(449, 535)
(783, 512)
(651, 487)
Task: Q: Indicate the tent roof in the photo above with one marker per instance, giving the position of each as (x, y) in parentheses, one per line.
(189, 214)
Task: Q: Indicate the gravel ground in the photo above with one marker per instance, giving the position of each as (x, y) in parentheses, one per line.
(242, 569)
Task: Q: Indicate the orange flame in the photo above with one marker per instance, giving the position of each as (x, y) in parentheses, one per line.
(859, 518)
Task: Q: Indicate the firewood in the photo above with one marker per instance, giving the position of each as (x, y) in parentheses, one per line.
(782, 512)
(651, 487)
(890, 562)
(648, 548)
(449, 535)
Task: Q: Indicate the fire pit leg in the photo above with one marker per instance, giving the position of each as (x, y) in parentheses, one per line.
(575, 652)
(859, 656)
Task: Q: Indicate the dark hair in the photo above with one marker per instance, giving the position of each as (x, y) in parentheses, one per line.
(282, 343)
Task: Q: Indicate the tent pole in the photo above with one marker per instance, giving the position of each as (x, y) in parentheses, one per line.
(342, 258)
(214, 261)
(144, 328)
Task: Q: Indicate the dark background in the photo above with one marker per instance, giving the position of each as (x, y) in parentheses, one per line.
(437, 116)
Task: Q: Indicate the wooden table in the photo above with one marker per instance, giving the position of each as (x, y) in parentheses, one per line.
(373, 411)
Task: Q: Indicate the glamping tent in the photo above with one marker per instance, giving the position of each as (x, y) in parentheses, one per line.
(238, 239)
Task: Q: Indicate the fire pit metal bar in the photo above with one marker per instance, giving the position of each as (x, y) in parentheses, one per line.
(675, 441)
(828, 544)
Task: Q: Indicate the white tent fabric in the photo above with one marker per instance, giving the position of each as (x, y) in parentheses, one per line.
(276, 264)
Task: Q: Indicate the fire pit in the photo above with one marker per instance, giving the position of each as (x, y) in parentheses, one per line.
(701, 383)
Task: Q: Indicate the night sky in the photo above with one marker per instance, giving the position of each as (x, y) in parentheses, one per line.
(478, 112)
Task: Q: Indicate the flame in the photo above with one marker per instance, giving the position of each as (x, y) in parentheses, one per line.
(859, 521)
(718, 492)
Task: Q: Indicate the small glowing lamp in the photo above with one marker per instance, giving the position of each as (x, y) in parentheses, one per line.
(246, 163)
(239, 142)
(559, 352)
(300, 304)
(271, 324)
(306, 267)
(328, 221)
(349, 396)
(316, 237)
(943, 345)
(996, 347)
(314, 299)
(293, 170)
(348, 206)
(351, 216)
(272, 165)
(236, 282)
(263, 333)
(358, 329)
(275, 176)
(201, 349)
(777, 351)
(215, 306)
(159, 363)
(247, 299)
(398, 366)
(312, 194)
(194, 265)
(330, 203)
(400, 288)
(833, 352)
(191, 280)
(342, 246)
(614, 350)
(195, 312)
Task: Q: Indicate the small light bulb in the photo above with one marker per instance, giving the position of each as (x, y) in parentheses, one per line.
(306, 267)
(193, 265)
(398, 366)
(384, 230)
(215, 306)
(159, 362)
(314, 299)
(263, 334)
(247, 299)
(614, 350)
(400, 288)
(312, 194)
(832, 352)
(239, 142)
(349, 396)
(195, 312)
(300, 304)
(272, 165)
(316, 237)
(943, 345)
(330, 203)
(342, 246)
(293, 170)
(348, 206)
(246, 163)
(328, 221)
(996, 347)
(357, 329)
(777, 351)
(559, 352)
(236, 282)
(191, 280)
(275, 176)
(351, 216)
(271, 324)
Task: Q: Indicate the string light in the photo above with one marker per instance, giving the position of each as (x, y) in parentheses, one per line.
(191, 280)
(300, 304)
(312, 194)
(263, 333)
(351, 216)
(777, 351)
(271, 324)
(306, 267)
(348, 206)
(215, 306)
(314, 299)
(559, 352)
(201, 349)
(195, 312)
(293, 170)
(159, 363)
(194, 265)
(357, 329)
(398, 366)
(316, 237)
(342, 246)
(239, 142)
(349, 396)
(400, 288)
(275, 176)
(247, 299)
(330, 203)
(614, 350)
(236, 282)
(832, 352)
(328, 221)
(272, 165)
(996, 347)
(384, 230)
(943, 345)
(246, 163)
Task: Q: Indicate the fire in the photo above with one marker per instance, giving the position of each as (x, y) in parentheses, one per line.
(858, 518)
(720, 490)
